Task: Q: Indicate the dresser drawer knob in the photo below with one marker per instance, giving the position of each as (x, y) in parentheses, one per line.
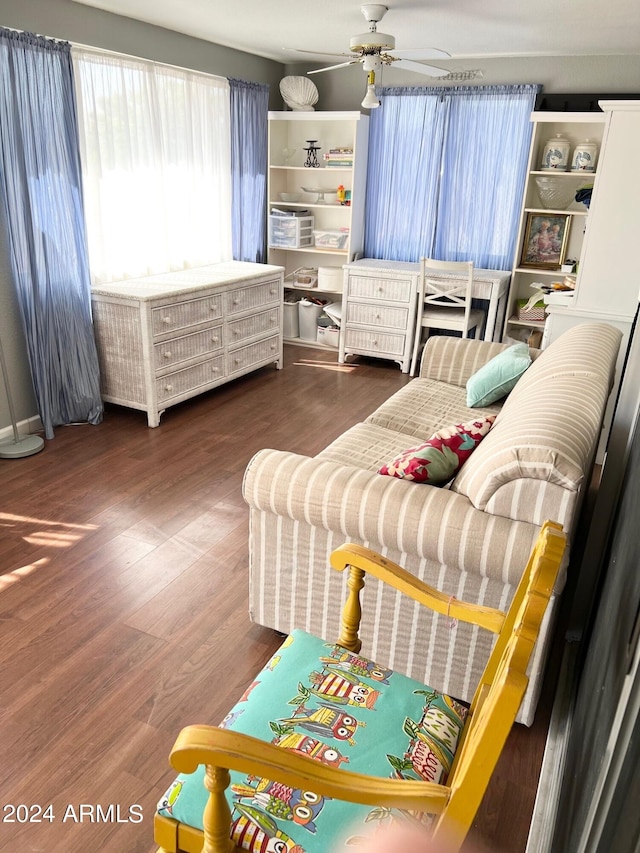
(236, 361)
(273, 291)
(215, 369)
(213, 308)
(236, 302)
(214, 340)
(167, 354)
(168, 387)
(236, 331)
(166, 320)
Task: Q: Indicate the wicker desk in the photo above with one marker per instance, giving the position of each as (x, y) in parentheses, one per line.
(379, 307)
(165, 338)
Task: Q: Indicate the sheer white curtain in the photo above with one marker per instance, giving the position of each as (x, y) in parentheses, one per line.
(156, 165)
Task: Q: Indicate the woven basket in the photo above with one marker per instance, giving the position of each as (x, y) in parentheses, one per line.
(535, 313)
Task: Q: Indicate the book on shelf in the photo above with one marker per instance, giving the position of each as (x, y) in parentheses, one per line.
(347, 150)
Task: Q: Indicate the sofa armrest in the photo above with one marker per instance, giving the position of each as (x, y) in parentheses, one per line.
(454, 360)
(388, 513)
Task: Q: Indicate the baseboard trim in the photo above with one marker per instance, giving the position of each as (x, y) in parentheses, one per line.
(545, 808)
(29, 426)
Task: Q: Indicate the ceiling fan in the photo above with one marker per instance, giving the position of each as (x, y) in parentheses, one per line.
(373, 50)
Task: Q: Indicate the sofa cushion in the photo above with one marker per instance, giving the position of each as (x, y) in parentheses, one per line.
(424, 406)
(341, 709)
(498, 377)
(366, 446)
(436, 461)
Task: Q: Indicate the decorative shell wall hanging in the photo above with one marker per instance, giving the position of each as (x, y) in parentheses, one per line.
(299, 93)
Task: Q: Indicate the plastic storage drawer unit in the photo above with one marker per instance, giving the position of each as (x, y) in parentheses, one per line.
(290, 232)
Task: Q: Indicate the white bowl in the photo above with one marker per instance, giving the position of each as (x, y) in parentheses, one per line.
(289, 196)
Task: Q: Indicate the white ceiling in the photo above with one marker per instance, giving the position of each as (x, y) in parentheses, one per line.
(464, 28)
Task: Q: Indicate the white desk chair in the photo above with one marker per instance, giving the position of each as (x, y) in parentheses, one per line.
(446, 303)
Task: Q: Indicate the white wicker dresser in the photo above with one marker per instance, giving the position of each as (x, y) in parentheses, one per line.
(164, 338)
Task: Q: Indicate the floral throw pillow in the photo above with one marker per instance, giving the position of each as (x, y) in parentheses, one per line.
(439, 458)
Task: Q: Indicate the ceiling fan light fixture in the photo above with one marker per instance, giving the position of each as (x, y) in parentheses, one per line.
(370, 101)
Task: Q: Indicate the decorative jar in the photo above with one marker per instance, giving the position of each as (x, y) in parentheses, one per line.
(555, 155)
(584, 157)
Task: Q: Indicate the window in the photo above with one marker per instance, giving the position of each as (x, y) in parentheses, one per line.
(156, 164)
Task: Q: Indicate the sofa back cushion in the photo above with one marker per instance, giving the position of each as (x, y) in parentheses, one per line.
(454, 360)
(544, 439)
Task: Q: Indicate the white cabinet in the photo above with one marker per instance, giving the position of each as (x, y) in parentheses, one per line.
(569, 219)
(607, 287)
(379, 310)
(164, 338)
(339, 228)
(607, 278)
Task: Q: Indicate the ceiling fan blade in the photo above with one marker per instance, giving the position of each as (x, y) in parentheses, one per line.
(325, 52)
(340, 65)
(419, 68)
(421, 53)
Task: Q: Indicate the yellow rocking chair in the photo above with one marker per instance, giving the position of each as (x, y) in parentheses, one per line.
(292, 794)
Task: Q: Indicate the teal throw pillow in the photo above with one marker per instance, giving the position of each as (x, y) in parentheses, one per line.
(497, 377)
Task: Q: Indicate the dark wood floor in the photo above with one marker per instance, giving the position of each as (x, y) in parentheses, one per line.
(123, 602)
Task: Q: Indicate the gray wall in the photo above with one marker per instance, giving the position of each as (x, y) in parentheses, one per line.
(339, 90)
(344, 88)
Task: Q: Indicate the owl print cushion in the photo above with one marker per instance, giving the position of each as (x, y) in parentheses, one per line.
(339, 708)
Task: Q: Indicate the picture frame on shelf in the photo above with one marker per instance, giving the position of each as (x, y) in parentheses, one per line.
(545, 240)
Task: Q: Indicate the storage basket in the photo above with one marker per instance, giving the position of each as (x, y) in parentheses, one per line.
(329, 335)
(305, 278)
(331, 239)
(535, 313)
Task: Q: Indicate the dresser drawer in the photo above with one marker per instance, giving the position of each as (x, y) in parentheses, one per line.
(260, 351)
(360, 340)
(255, 324)
(183, 381)
(387, 289)
(180, 315)
(253, 296)
(377, 315)
(177, 350)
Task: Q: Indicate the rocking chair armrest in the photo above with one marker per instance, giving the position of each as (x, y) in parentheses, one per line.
(231, 750)
(372, 563)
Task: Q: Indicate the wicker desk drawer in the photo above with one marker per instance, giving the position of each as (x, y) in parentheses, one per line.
(180, 315)
(386, 289)
(253, 296)
(361, 340)
(261, 351)
(377, 315)
(183, 381)
(177, 350)
(255, 324)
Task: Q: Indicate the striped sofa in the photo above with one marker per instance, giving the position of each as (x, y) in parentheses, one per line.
(470, 539)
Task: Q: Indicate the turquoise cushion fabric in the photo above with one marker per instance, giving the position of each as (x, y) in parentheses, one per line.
(497, 377)
(320, 700)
